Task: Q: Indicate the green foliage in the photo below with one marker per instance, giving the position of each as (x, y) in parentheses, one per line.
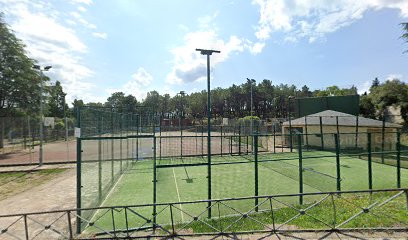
(335, 91)
(19, 83)
(56, 101)
(389, 93)
(405, 33)
(59, 125)
(367, 108)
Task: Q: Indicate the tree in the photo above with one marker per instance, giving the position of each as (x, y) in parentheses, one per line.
(56, 101)
(305, 92)
(19, 83)
(392, 92)
(375, 83)
(152, 101)
(116, 100)
(405, 33)
(367, 108)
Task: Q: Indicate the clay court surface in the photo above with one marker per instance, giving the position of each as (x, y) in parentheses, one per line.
(53, 152)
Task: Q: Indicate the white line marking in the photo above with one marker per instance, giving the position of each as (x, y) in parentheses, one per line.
(178, 195)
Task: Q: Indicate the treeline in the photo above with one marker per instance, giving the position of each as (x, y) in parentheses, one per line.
(20, 90)
(268, 100)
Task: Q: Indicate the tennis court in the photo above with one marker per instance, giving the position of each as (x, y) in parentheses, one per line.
(234, 176)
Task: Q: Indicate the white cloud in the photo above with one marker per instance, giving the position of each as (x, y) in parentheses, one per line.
(137, 86)
(142, 77)
(77, 16)
(100, 35)
(86, 2)
(81, 9)
(365, 87)
(314, 19)
(394, 76)
(189, 65)
(49, 42)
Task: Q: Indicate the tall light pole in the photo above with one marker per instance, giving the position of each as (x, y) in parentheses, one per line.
(41, 70)
(208, 53)
(251, 123)
(66, 125)
(181, 93)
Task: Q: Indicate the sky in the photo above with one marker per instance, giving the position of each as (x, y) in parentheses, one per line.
(97, 47)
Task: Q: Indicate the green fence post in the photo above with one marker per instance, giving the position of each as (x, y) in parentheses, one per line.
(299, 140)
(137, 133)
(112, 150)
(356, 131)
(290, 131)
(321, 132)
(222, 138)
(398, 159)
(337, 126)
(274, 139)
(181, 137)
(382, 139)
(247, 144)
(255, 143)
(370, 172)
(337, 143)
(154, 183)
(79, 182)
(307, 136)
(239, 139)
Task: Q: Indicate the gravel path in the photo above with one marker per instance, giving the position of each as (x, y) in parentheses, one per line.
(58, 193)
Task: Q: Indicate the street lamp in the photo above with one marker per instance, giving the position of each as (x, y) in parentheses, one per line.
(208, 53)
(41, 70)
(251, 123)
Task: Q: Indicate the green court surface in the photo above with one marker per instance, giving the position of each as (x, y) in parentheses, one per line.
(234, 176)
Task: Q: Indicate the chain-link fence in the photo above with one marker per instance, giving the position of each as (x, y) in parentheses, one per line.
(20, 140)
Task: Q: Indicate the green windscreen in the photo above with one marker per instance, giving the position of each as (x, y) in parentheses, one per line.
(346, 104)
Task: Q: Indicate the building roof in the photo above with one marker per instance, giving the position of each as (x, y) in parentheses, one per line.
(329, 118)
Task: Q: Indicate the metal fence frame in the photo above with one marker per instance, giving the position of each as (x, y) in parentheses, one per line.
(173, 229)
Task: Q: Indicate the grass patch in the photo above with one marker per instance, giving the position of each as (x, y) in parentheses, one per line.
(12, 183)
(321, 216)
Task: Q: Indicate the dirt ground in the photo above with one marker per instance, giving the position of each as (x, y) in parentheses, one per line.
(57, 193)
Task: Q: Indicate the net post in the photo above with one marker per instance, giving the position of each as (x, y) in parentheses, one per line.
(337, 143)
(255, 143)
(370, 172)
(398, 159)
(154, 183)
(299, 140)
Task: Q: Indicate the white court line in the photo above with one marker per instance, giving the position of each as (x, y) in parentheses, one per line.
(107, 196)
(178, 195)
